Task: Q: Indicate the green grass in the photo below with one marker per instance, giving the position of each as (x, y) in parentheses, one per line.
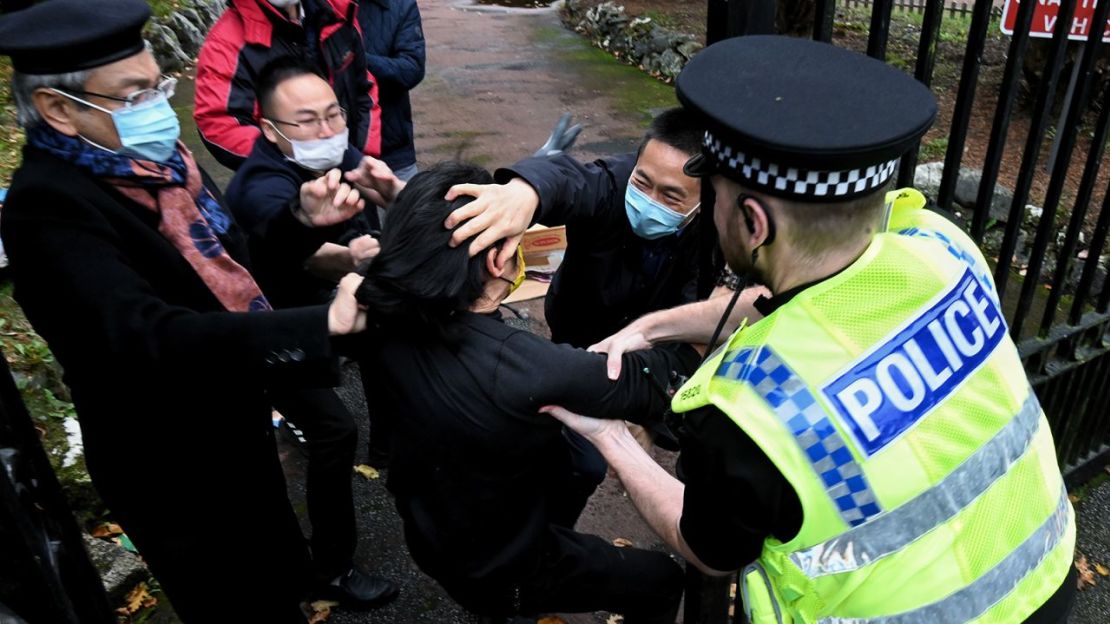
(11, 137)
(162, 8)
(635, 94)
(663, 19)
(954, 27)
(934, 149)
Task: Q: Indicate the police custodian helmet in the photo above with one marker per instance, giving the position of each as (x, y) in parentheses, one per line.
(800, 119)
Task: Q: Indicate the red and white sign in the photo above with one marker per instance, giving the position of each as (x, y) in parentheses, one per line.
(1044, 19)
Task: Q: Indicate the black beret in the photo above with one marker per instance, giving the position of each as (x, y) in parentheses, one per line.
(802, 119)
(60, 36)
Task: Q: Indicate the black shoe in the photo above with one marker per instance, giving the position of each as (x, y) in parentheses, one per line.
(356, 589)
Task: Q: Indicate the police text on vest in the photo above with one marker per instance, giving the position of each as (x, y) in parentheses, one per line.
(888, 389)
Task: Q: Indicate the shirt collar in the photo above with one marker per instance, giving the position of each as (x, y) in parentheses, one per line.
(767, 305)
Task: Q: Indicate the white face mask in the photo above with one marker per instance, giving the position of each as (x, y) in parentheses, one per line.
(317, 154)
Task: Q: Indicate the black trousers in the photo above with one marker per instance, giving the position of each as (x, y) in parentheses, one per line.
(580, 573)
(210, 514)
(585, 470)
(332, 436)
(381, 422)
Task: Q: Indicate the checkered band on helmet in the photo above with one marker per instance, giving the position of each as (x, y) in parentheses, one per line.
(791, 181)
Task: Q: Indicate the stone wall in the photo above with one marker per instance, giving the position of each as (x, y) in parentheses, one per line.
(177, 37)
(636, 40)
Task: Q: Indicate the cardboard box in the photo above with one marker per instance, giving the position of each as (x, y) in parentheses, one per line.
(544, 247)
(543, 253)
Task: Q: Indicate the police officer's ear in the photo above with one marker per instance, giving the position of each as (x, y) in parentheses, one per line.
(758, 220)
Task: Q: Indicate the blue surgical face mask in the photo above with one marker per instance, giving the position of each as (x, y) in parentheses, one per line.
(649, 218)
(148, 131)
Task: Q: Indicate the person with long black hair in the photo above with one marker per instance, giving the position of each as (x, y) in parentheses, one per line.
(477, 471)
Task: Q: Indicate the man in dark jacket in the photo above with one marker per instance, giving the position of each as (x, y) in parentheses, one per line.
(394, 41)
(137, 277)
(298, 106)
(253, 32)
(632, 228)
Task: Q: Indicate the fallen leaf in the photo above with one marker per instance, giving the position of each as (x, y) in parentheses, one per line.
(108, 529)
(321, 611)
(1086, 576)
(1102, 570)
(551, 619)
(621, 542)
(368, 472)
(136, 599)
(126, 543)
(1073, 498)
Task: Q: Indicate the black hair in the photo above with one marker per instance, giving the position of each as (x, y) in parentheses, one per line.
(678, 128)
(417, 276)
(278, 71)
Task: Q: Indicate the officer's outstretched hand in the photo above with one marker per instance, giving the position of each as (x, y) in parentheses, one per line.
(499, 211)
(375, 180)
(630, 338)
(593, 429)
(345, 314)
(327, 201)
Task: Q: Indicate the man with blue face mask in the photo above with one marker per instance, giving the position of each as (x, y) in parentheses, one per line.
(125, 260)
(631, 228)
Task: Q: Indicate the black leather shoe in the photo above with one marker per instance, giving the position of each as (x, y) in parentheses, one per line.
(358, 590)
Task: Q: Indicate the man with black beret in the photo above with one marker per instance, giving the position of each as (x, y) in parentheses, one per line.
(865, 446)
(127, 263)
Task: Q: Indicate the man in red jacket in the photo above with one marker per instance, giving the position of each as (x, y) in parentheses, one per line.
(253, 32)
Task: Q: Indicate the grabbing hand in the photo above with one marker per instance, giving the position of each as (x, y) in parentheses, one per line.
(593, 429)
(630, 338)
(375, 180)
(327, 201)
(345, 315)
(499, 211)
(363, 248)
(562, 137)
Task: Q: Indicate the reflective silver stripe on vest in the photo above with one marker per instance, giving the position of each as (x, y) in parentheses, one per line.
(745, 593)
(896, 529)
(983, 593)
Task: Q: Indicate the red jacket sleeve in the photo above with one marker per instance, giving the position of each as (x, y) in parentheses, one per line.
(225, 107)
(373, 145)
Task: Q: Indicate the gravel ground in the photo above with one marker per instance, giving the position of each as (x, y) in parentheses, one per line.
(1092, 606)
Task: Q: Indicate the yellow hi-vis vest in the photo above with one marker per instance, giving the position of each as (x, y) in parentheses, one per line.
(892, 399)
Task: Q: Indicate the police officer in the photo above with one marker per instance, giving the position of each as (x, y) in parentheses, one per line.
(870, 448)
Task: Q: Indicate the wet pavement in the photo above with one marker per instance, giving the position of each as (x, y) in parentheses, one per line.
(1092, 605)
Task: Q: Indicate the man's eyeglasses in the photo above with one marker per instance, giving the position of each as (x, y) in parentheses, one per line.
(336, 120)
(165, 88)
